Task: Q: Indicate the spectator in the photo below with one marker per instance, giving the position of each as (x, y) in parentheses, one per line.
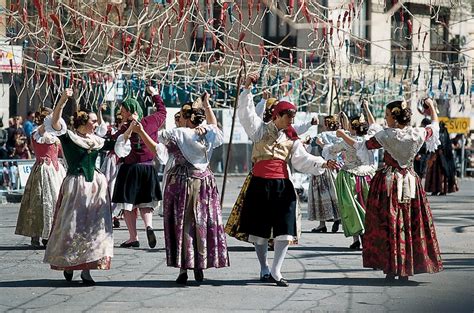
(21, 149)
(13, 173)
(14, 128)
(29, 124)
(6, 175)
(3, 134)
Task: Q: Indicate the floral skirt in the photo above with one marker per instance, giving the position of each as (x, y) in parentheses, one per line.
(400, 238)
(81, 236)
(39, 200)
(322, 197)
(194, 231)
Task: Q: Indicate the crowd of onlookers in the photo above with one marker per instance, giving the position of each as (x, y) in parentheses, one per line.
(15, 143)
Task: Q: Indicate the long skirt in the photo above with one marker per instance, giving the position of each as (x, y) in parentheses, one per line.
(352, 192)
(110, 168)
(194, 231)
(137, 185)
(233, 222)
(269, 208)
(436, 179)
(322, 197)
(400, 238)
(81, 237)
(39, 200)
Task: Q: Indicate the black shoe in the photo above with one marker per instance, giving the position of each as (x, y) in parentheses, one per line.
(182, 279)
(271, 246)
(116, 223)
(355, 245)
(87, 282)
(35, 243)
(150, 235)
(403, 278)
(281, 283)
(323, 229)
(390, 277)
(68, 275)
(335, 226)
(265, 278)
(134, 244)
(44, 242)
(198, 275)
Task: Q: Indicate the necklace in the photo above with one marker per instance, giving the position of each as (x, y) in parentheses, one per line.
(81, 134)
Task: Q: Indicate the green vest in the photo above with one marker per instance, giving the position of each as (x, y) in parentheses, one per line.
(80, 161)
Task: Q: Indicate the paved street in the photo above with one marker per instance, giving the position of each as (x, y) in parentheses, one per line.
(324, 275)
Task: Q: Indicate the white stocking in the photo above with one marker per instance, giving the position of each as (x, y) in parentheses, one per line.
(281, 246)
(262, 258)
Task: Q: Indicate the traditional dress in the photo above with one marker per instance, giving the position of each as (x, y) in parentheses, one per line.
(400, 236)
(441, 167)
(137, 184)
(81, 236)
(352, 186)
(233, 222)
(42, 188)
(322, 196)
(194, 231)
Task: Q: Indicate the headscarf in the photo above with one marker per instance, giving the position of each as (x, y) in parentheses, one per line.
(281, 107)
(133, 106)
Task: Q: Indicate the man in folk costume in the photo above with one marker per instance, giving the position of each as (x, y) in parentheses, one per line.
(269, 206)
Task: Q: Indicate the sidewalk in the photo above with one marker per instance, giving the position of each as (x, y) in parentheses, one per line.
(324, 275)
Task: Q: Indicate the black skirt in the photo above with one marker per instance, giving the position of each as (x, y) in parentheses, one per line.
(269, 208)
(137, 184)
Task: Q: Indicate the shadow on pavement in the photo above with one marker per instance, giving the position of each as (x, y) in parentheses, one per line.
(355, 281)
(61, 283)
(20, 248)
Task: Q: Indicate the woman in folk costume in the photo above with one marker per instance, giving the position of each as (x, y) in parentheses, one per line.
(441, 167)
(269, 206)
(111, 163)
(322, 196)
(137, 187)
(194, 232)
(264, 110)
(81, 236)
(42, 188)
(400, 236)
(353, 179)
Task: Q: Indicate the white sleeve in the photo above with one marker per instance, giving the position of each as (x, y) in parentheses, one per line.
(433, 142)
(48, 126)
(214, 135)
(162, 153)
(122, 148)
(101, 130)
(331, 151)
(365, 155)
(260, 108)
(304, 162)
(250, 121)
(303, 127)
(373, 129)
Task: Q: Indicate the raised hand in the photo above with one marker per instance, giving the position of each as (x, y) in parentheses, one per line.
(251, 79)
(151, 90)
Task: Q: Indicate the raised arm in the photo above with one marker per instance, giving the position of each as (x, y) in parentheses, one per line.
(342, 134)
(344, 120)
(370, 117)
(434, 116)
(58, 109)
(210, 116)
(250, 121)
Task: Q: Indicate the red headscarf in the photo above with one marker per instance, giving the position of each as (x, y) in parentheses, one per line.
(282, 106)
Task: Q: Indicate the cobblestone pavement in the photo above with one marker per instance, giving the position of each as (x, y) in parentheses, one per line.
(324, 275)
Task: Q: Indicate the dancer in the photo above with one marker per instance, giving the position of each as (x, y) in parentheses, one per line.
(441, 167)
(269, 206)
(81, 236)
(264, 110)
(353, 180)
(400, 236)
(421, 158)
(43, 184)
(322, 196)
(137, 187)
(194, 232)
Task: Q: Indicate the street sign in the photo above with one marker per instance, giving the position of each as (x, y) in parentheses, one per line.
(457, 125)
